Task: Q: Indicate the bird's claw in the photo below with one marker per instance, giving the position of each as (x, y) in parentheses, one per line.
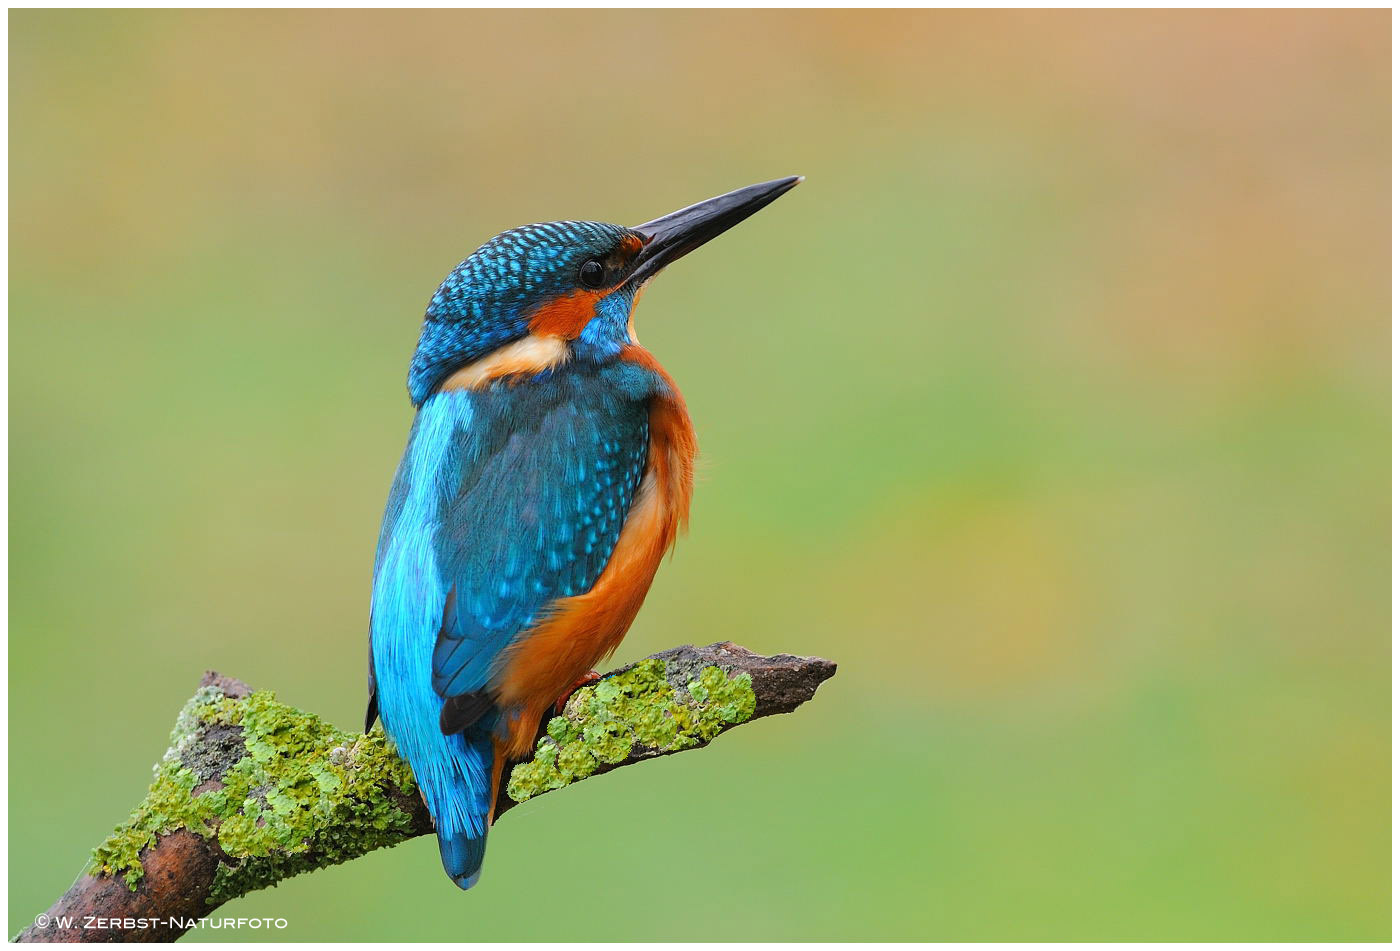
(592, 677)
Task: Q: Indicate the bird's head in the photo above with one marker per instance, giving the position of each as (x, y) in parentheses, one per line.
(542, 294)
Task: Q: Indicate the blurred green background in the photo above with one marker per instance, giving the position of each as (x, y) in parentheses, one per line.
(1054, 407)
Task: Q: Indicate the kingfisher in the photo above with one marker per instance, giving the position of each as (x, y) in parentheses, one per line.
(548, 470)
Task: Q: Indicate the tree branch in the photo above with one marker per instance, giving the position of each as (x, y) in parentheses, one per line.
(253, 791)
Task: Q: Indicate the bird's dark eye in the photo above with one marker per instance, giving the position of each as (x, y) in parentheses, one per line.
(591, 274)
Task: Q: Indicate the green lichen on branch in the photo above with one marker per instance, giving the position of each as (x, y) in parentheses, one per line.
(293, 793)
(632, 715)
(258, 791)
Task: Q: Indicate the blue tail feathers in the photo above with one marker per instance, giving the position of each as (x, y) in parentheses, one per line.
(462, 854)
(462, 807)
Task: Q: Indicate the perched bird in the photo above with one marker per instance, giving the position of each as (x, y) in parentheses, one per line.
(548, 470)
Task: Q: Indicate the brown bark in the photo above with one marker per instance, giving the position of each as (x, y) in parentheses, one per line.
(179, 871)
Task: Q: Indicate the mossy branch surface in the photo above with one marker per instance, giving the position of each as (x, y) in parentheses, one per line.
(252, 791)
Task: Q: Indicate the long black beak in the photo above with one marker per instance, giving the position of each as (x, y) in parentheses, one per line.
(681, 232)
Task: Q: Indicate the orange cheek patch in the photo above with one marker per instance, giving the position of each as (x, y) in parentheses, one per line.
(566, 316)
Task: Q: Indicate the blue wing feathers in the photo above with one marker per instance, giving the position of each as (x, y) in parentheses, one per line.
(536, 519)
(507, 499)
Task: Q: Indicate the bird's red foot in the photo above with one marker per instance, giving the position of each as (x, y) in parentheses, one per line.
(592, 677)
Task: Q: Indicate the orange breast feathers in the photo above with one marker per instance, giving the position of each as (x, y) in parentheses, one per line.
(581, 631)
